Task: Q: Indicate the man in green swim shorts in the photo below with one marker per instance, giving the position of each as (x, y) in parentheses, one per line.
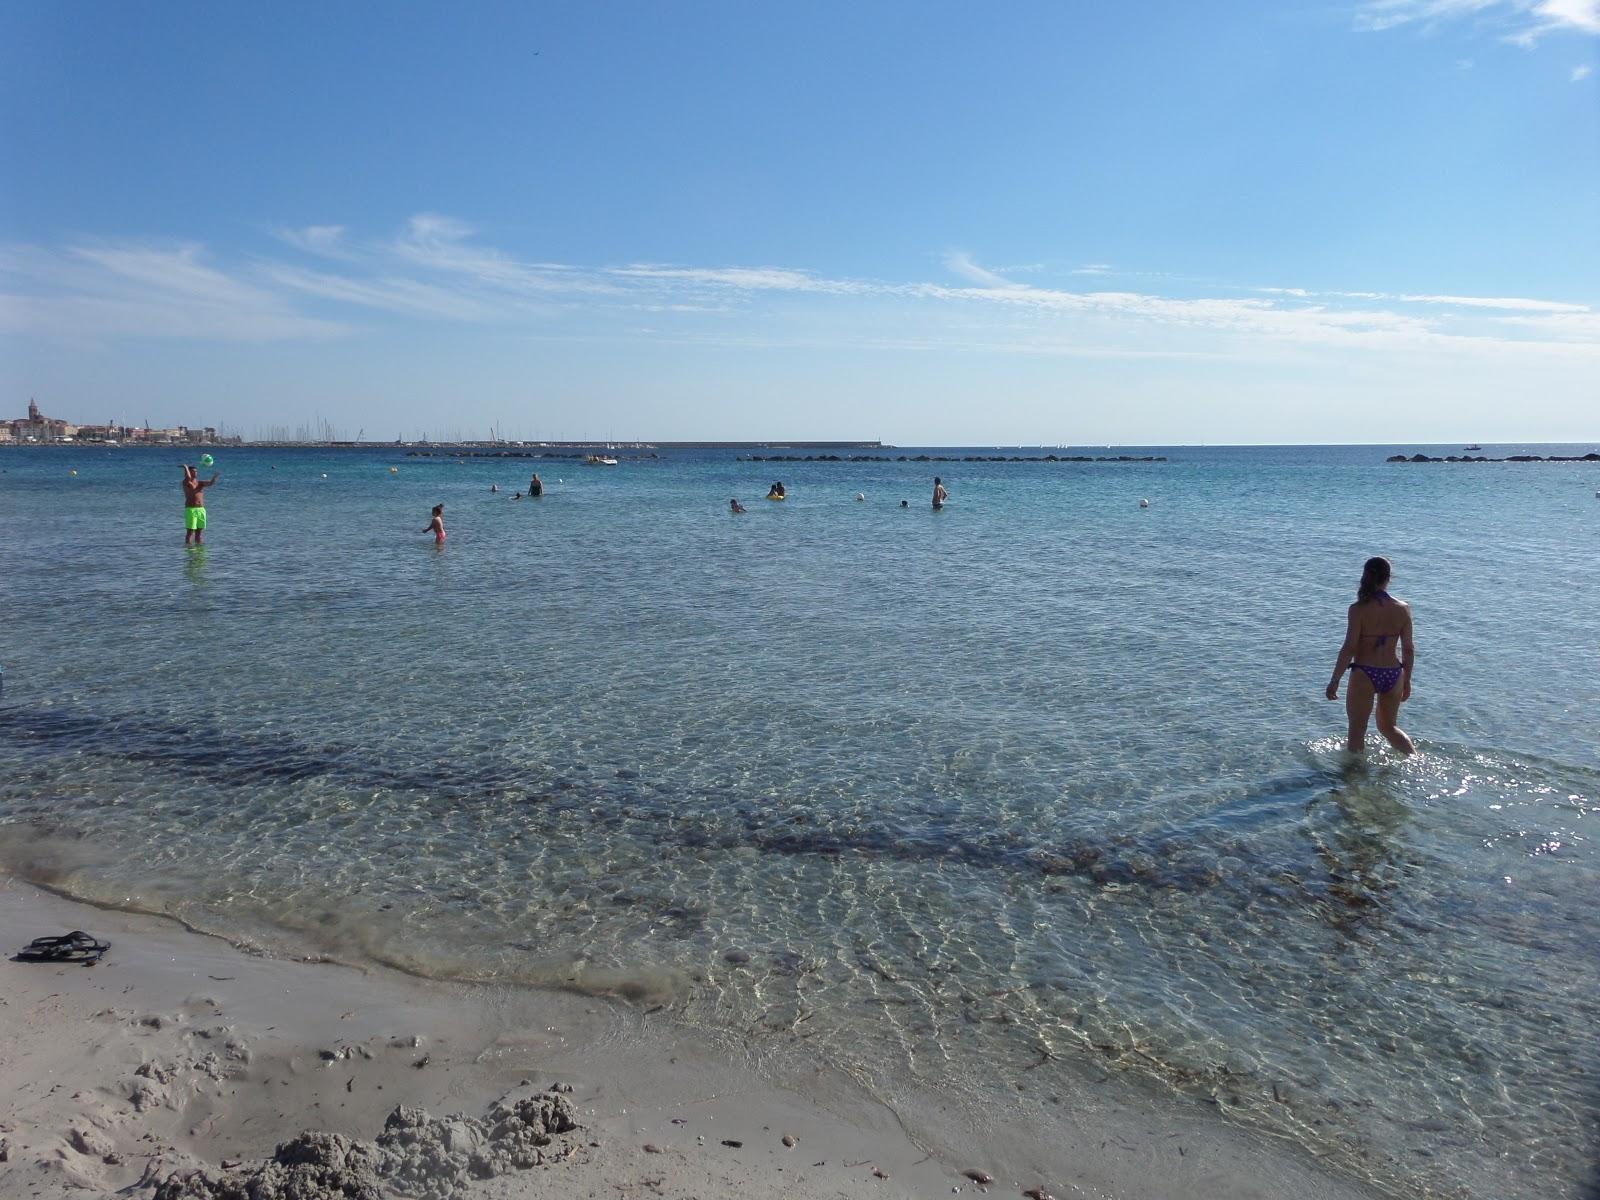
(194, 505)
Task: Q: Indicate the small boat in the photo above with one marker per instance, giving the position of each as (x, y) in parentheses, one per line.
(599, 460)
(1472, 447)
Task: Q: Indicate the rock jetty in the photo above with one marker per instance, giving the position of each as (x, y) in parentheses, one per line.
(1479, 458)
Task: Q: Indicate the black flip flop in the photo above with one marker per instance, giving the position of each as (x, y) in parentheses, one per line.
(74, 947)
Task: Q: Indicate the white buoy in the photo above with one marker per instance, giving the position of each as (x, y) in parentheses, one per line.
(324, 474)
(1144, 504)
(861, 495)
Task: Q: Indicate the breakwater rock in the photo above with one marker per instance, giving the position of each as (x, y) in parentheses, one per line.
(1479, 458)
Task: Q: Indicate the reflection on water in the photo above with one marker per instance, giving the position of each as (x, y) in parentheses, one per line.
(997, 842)
(194, 566)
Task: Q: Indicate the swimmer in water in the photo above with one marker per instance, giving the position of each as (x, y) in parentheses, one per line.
(436, 526)
(535, 486)
(494, 487)
(1378, 646)
(939, 494)
(776, 492)
(905, 504)
(735, 506)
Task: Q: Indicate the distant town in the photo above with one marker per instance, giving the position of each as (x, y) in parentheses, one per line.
(38, 429)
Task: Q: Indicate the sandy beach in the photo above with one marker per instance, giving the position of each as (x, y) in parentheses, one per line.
(180, 1063)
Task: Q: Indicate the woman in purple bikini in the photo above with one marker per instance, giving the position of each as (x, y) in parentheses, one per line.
(1378, 653)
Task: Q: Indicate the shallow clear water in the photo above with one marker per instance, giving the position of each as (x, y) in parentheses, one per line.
(989, 799)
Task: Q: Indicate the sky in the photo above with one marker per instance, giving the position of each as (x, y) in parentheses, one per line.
(929, 223)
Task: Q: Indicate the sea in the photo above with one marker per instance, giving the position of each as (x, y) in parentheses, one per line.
(1034, 793)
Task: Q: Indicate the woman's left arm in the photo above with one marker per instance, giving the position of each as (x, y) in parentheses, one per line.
(1408, 657)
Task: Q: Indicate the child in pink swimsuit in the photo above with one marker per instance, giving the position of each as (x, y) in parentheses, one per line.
(436, 526)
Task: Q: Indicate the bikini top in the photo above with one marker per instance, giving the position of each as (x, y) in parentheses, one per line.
(1383, 598)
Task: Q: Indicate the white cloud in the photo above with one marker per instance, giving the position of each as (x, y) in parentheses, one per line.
(1580, 73)
(1580, 15)
(1093, 269)
(1578, 327)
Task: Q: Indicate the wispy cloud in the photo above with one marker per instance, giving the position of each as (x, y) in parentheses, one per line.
(316, 239)
(1524, 22)
(1505, 303)
(1377, 15)
(743, 279)
(437, 269)
(1580, 73)
(399, 295)
(445, 245)
(961, 263)
(100, 290)
(1501, 302)
(1092, 269)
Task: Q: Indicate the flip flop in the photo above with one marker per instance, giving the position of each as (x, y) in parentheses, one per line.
(74, 947)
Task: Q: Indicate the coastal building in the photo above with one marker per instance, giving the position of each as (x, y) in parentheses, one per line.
(38, 429)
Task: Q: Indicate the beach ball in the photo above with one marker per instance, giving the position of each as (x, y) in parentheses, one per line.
(207, 461)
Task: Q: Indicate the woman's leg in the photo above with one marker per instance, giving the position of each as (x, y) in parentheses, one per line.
(1358, 705)
(1388, 714)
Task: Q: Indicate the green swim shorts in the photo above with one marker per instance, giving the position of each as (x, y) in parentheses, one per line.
(194, 519)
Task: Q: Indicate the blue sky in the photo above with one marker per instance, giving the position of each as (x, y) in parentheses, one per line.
(927, 223)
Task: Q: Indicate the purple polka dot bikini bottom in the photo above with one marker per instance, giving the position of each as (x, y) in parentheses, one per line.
(1383, 678)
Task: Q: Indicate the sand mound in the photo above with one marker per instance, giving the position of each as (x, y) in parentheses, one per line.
(418, 1155)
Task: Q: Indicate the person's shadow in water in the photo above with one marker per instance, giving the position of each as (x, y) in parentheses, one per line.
(1358, 828)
